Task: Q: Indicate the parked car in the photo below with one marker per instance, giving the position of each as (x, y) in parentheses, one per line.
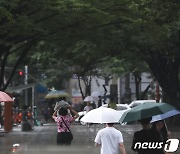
(138, 102)
(119, 106)
(81, 114)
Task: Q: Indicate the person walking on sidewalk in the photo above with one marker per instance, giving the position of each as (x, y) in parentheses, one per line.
(63, 120)
(110, 140)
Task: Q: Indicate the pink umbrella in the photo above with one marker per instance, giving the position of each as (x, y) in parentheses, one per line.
(5, 97)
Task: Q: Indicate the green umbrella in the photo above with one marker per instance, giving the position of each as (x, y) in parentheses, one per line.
(145, 110)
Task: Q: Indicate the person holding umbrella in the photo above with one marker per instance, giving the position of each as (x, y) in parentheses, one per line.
(147, 136)
(110, 140)
(88, 107)
(143, 140)
(160, 126)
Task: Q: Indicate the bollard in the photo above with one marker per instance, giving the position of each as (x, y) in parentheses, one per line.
(8, 116)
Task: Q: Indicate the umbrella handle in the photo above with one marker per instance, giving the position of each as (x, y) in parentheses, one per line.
(168, 132)
(165, 125)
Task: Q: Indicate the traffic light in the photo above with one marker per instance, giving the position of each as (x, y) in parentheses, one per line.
(21, 77)
(20, 73)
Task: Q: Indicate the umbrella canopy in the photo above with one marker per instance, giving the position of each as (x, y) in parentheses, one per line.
(5, 97)
(60, 104)
(165, 115)
(102, 115)
(57, 94)
(145, 110)
(90, 99)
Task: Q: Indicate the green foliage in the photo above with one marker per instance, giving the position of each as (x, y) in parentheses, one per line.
(112, 105)
(87, 37)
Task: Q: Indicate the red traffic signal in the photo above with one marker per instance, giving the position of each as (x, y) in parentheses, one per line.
(20, 73)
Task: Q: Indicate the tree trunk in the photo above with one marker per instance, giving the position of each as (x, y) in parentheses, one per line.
(145, 92)
(137, 77)
(87, 82)
(79, 83)
(166, 73)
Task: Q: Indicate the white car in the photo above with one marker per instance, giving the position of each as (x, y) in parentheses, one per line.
(120, 107)
(81, 114)
(138, 102)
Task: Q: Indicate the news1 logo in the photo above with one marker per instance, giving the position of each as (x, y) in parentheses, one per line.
(171, 145)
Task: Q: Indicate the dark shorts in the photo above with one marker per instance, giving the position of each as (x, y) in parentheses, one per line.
(62, 139)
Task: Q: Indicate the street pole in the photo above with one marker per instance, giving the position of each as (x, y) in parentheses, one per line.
(127, 94)
(157, 96)
(33, 103)
(26, 82)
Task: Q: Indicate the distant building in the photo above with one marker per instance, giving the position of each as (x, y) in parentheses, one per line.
(122, 89)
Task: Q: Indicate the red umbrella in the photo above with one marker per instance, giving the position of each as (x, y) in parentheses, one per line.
(5, 97)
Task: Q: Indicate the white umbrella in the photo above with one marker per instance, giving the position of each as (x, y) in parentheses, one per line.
(165, 115)
(90, 99)
(102, 115)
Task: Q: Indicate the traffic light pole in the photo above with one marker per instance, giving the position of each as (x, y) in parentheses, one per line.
(26, 82)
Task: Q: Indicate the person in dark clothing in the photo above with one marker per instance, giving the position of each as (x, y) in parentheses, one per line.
(25, 124)
(161, 128)
(24, 114)
(99, 101)
(46, 113)
(147, 140)
(1, 116)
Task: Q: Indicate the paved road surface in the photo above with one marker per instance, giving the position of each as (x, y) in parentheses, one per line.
(42, 140)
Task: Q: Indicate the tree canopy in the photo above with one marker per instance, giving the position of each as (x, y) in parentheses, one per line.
(86, 33)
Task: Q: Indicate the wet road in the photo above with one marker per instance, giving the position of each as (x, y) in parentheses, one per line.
(42, 140)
